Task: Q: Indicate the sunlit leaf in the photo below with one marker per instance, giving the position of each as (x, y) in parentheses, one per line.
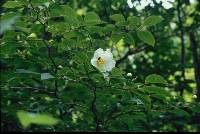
(27, 119)
(92, 18)
(13, 4)
(155, 79)
(46, 76)
(152, 20)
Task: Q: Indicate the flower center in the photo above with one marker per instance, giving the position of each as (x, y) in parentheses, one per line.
(100, 61)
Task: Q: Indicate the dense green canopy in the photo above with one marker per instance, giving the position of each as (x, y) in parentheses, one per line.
(49, 83)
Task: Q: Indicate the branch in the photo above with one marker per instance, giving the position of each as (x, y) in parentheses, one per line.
(50, 57)
(182, 54)
(93, 103)
(130, 52)
(45, 24)
(94, 110)
(121, 114)
(35, 89)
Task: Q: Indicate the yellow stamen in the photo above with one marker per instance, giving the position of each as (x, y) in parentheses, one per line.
(100, 61)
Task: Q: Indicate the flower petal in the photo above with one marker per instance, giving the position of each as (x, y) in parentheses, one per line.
(107, 55)
(98, 53)
(110, 65)
(94, 62)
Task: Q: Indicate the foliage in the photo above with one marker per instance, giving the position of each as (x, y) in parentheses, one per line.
(49, 84)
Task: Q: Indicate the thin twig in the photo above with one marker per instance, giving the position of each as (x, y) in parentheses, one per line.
(130, 52)
(35, 89)
(93, 103)
(46, 45)
(121, 114)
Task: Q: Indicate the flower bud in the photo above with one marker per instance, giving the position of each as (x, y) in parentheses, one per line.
(194, 96)
(129, 75)
(60, 67)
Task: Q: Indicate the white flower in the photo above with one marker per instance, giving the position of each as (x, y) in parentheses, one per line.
(103, 60)
(129, 74)
(130, 3)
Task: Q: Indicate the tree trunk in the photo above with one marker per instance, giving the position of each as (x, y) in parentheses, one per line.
(196, 61)
(182, 55)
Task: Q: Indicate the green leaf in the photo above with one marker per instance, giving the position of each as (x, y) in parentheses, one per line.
(133, 21)
(109, 28)
(92, 18)
(161, 92)
(8, 49)
(39, 2)
(152, 20)
(95, 30)
(66, 43)
(115, 37)
(155, 79)
(69, 35)
(56, 10)
(59, 28)
(70, 16)
(146, 37)
(129, 39)
(27, 119)
(81, 58)
(179, 112)
(23, 71)
(46, 76)
(13, 4)
(97, 77)
(146, 100)
(117, 18)
(117, 72)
